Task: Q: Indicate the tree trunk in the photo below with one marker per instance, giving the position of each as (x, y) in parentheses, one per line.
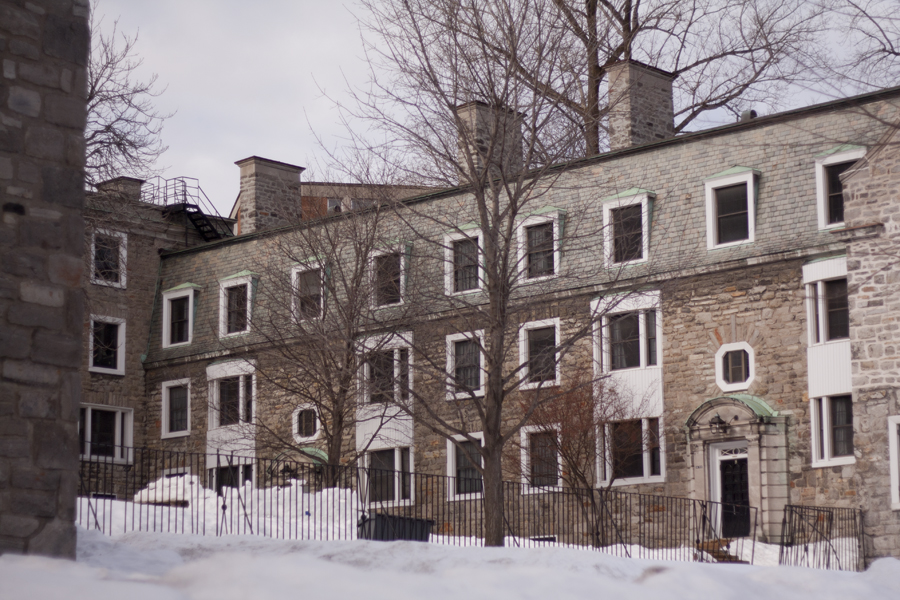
(494, 523)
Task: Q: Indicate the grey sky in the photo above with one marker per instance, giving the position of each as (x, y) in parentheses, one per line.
(243, 78)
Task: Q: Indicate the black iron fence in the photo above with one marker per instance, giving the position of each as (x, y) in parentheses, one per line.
(822, 538)
(217, 494)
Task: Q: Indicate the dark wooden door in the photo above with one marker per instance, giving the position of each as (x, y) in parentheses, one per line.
(735, 497)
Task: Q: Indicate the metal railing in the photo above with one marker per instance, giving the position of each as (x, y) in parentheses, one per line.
(822, 538)
(218, 494)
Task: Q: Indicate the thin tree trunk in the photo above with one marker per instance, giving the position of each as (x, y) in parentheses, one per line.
(494, 523)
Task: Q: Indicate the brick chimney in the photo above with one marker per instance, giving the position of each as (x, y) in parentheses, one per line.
(128, 188)
(269, 196)
(640, 105)
(490, 135)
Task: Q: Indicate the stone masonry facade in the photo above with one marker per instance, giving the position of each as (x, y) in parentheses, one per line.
(44, 53)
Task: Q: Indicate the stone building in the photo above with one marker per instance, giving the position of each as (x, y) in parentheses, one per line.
(736, 284)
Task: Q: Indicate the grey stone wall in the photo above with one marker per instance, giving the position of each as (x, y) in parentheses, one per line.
(44, 51)
(269, 196)
(489, 136)
(640, 105)
(872, 216)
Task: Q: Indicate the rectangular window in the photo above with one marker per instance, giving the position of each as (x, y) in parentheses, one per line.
(838, 310)
(540, 250)
(633, 450)
(543, 459)
(107, 345)
(389, 475)
(235, 395)
(386, 375)
(625, 341)
(832, 425)
(306, 423)
(736, 366)
(467, 365)
(650, 328)
(105, 432)
(108, 258)
(176, 408)
(178, 325)
(830, 166)
(388, 283)
(541, 354)
(467, 460)
(178, 315)
(732, 216)
(894, 456)
(628, 243)
(835, 191)
(465, 265)
(236, 315)
(308, 286)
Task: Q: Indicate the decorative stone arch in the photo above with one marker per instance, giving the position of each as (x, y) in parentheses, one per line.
(742, 421)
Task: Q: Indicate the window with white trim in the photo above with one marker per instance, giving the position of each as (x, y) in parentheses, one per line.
(463, 272)
(626, 234)
(178, 317)
(829, 189)
(105, 432)
(109, 258)
(309, 286)
(832, 430)
(735, 366)
(731, 208)
(541, 460)
(388, 278)
(631, 452)
(176, 408)
(539, 243)
(107, 345)
(305, 424)
(465, 365)
(235, 305)
(233, 391)
(385, 376)
(389, 476)
(894, 453)
(463, 462)
(538, 341)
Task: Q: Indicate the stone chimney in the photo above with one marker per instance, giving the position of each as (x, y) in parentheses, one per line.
(492, 136)
(640, 105)
(128, 188)
(269, 196)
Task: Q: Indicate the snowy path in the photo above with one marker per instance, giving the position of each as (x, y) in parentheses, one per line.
(140, 566)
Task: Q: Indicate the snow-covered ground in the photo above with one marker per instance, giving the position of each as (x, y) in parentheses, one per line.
(138, 566)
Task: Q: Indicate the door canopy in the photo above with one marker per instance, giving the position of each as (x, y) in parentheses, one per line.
(734, 407)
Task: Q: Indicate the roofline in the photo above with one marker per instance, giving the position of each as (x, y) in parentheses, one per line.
(831, 105)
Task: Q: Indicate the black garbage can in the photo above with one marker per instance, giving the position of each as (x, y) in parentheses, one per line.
(387, 528)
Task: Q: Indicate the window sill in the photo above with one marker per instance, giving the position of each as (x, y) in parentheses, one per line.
(105, 459)
(178, 345)
(464, 292)
(539, 279)
(628, 263)
(111, 284)
(834, 462)
(844, 340)
(895, 505)
(734, 387)
(635, 481)
(223, 336)
(632, 369)
(453, 396)
(831, 226)
(550, 383)
(175, 435)
(528, 490)
(306, 440)
(392, 503)
(104, 371)
(730, 244)
(465, 497)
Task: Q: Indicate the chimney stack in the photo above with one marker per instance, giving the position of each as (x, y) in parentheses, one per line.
(127, 188)
(492, 137)
(640, 105)
(269, 196)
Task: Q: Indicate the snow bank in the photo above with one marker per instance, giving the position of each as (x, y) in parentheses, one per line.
(185, 567)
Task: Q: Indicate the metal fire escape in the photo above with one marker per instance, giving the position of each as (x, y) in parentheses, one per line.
(184, 194)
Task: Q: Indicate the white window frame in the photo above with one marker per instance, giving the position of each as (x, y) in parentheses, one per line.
(295, 426)
(295, 273)
(605, 466)
(525, 444)
(397, 474)
(894, 453)
(166, 386)
(451, 467)
(373, 275)
(394, 343)
(828, 460)
(751, 367)
(477, 336)
(816, 274)
(224, 286)
(120, 348)
(639, 303)
(642, 199)
(523, 354)
(845, 156)
(123, 258)
(711, 185)
(449, 239)
(233, 368)
(124, 434)
(550, 217)
(168, 296)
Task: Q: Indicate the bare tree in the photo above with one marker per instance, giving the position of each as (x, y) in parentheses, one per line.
(870, 55)
(122, 134)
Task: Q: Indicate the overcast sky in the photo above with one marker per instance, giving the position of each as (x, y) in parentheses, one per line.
(244, 78)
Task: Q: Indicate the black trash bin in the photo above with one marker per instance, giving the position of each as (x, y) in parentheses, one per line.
(387, 528)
